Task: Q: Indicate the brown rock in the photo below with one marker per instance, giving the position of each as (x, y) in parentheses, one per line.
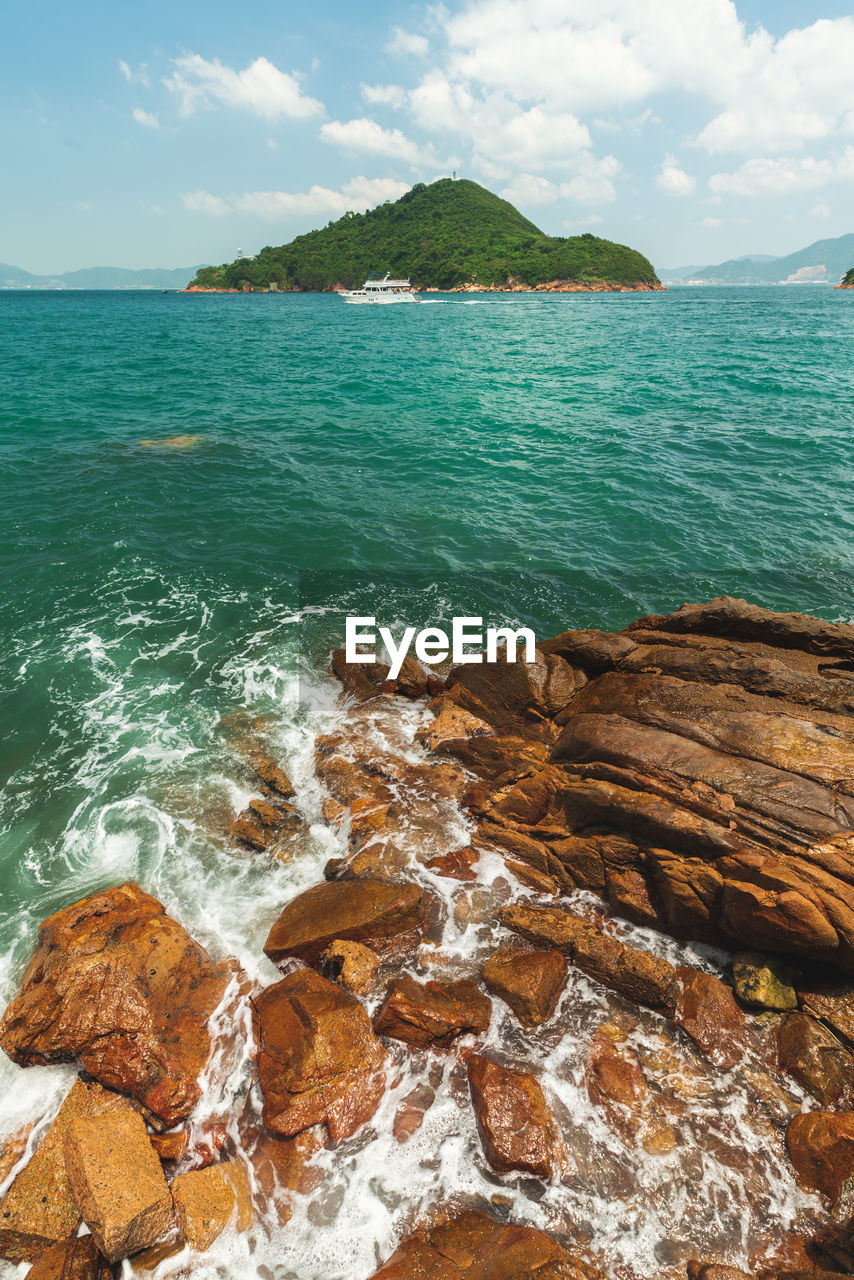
(121, 987)
(203, 1143)
(370, 911)
(832, 1000)
(821, 1148)
(593, 651)
(283, 1164)
(118, 1183)
(707, 1011)
(362, 680)
(39, 1208)
(516, 1126)
(457, 865)
(516, 697)
(529, 981)
(812, 1055)
(728, 616)
(77, 1259)
(351, 965)
(451, 722)
(318, 1061)
(432, 1014)
(716, 1271)
(272, 775)
(411, 1111)
(763, 981)
(206, 1200)
(534, 879)
(12, 1149)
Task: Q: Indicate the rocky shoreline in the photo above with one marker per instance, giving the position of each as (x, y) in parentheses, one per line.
(601, 917)
(551, 286)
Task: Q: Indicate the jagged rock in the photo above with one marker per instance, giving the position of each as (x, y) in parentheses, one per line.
(201, 1142)
(318, 1060)
(529, 981)
(616, 1084)
(821, 1148)
(370, 911)
(457, 865)
(39, 1208)
(273, 776)
(763, 981)
(518, 698)
(812, 1055)
(731, 617)
(831, 1000)
(283, 1164)
(451, 722)
(118, 1183)
(432, 1014)
(362, 680)
(206, 1200)
(516, 1126)
(716, 1271)
(78, 1259)
(641, 977)
(409, 1116)
(121, 987)
(593, 651)
(351, 965)
(473, 1245)
(707, 1011)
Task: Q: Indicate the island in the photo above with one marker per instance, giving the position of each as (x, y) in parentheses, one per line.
(847, 281)
(448, 235)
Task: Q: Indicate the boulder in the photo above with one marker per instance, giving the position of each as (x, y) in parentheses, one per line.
(206, 1200)
(812, 1055)
(832, 1000)
(119, 986)
(518, 698)
(763, 981)
(432, 1014)
(118, 1183)
(707, 1011)
(451, 722)
(457, 865)
(201, 1143)
(351, 965)
(473, 1245)
(529, 981)
(516, 1126)
(319, 1061)
(362, 680)
(77, 1259)
(821, 1148)
(375, 912)
(39, 1208)
(731, 617)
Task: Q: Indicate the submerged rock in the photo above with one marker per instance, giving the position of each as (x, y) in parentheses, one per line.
(78, 1259)
(371, 911)
(529, 981)
(707, 1011)
(119, 986)
(516, 1126)
(821, 1148)
(812, 1055)
(432, 1014)
(319, 1061)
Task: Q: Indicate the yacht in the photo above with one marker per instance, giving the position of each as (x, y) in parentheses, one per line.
(380, 288)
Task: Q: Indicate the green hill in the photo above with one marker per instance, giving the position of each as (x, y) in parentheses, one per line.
(441, 235)
(824, 261)
(848, 280)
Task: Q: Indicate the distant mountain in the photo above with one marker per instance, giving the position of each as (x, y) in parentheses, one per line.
(97, 278)
(824, 262)
(676, 275)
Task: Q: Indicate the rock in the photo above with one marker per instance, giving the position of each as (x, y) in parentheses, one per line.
(371, 911)
(616, 1084)
(533, 879)
(411, 680)
(39, 1208)
(351, 965)
(118, 1183)
(12, 1149)
(474, 1245)
(206, 1200)
(272, 776)
(832, 1000)
(263, 825)
(77, 1259)
(318, 1060)
(821, 1148)
(516, 697)
(411, 1111)
(202, 1143)
(593, 651)
(121, 987)
(283, 1164)
(432, 1014)
(716, 1271)
(529, 981)
(362, 680)
(635, 974)
(763, 981)
(516, 1126)
(451, 722)
(706, 1010)
(812, 1055)
(731, 617)
(457, 865)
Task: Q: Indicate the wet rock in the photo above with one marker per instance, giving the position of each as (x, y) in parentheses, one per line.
(832, 1000)
(319, 1060)
(516, 1126)
(821, 1148)
(39, 1208)
(451, 722)
(529, 981)
(351, 965)
(411, 681)
(118, 1183)
(206, 1201)
(432, 1014)
(636, 974)
(763, 981)
(283, 1164)
(78, 1259)
(812, 1055)
(518, 698)
(200, 1143)
(272, 776)
(716, 1271)
(263, 825)
(12, 1149)
(473, 1245)
(457, 865)
(410, 1114)
(707, 1011)
(731, 617)
(362, 680)
(370, 911)
(121, 987)
(534, 879)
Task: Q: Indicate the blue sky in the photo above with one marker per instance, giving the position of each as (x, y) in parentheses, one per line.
(172, 134)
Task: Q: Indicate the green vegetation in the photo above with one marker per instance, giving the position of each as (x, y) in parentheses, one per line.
(848, 279)
(441, 235)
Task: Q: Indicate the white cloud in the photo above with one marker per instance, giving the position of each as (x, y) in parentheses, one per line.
(711, 222)
(673, 180)
(260, 88)
(146, 118)
(384, 95)
(821, 211)
(407, 42)
(140, 76)
(766, 176)
(529, 189)
(366, 135)
(591, 185)
(357, 195)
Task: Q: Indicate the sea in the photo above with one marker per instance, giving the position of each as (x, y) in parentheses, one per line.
(198, 489)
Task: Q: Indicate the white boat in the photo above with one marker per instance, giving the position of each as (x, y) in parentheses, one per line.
(380, 288)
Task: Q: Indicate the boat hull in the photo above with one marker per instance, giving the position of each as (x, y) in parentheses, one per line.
(361, 300)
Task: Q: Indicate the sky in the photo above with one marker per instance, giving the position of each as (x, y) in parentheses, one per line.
(174, 134)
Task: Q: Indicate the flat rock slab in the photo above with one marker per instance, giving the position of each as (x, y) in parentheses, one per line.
(370, 911)
(118, 1183)
(206, 1201)
(432, 1014)
(516, 1126)
(39, 1208)
(319, 1061)
(119, 986)
(529, 981)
